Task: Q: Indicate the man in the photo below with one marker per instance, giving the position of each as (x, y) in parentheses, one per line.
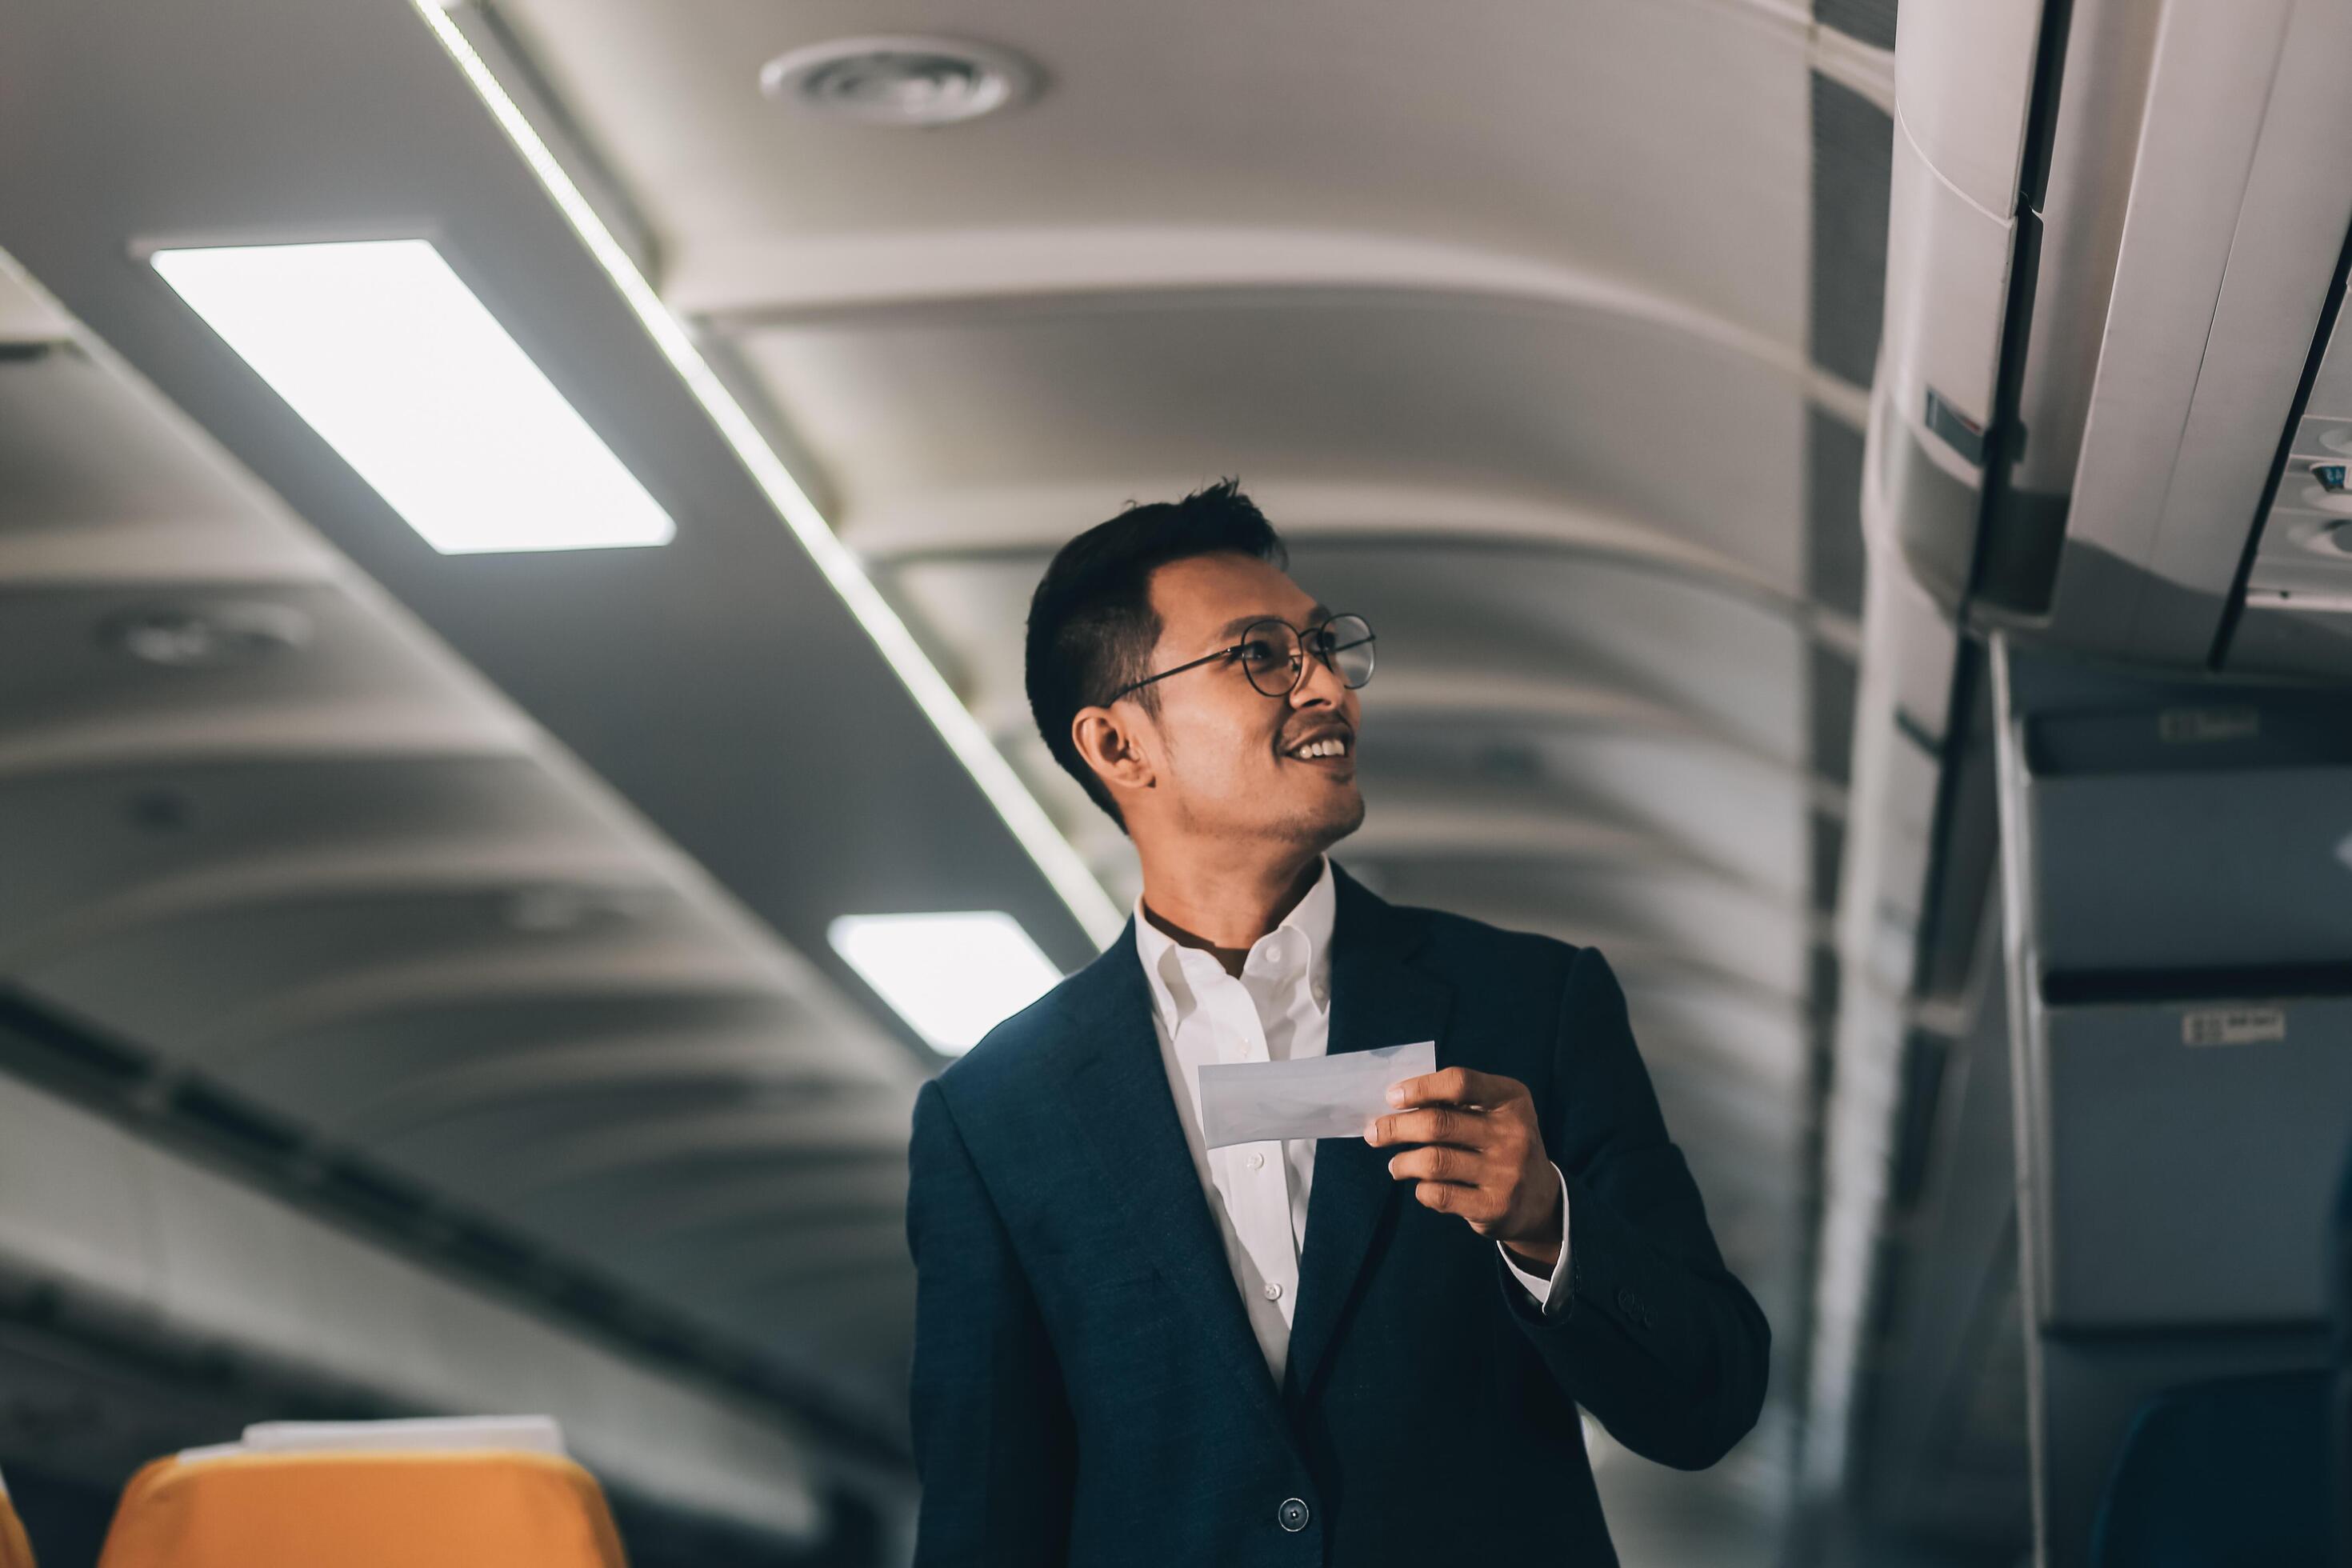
(1131, 1350)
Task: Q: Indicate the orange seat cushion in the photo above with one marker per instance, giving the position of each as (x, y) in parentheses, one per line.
(16, 1552)
(411, 1509)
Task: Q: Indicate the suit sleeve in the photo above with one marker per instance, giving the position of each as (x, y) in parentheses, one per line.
(994, 1438)
(1656, 1340)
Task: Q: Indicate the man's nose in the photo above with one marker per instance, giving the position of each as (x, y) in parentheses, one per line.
(1319, 685)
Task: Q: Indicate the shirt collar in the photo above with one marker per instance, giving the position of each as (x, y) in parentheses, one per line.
(1300, 947)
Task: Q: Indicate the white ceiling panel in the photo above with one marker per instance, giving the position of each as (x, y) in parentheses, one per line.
(1574, 409)
(1658, 141)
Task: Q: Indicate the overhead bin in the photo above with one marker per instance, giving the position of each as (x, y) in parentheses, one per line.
(1964, 72)
(2112, 237)
(2014, 129)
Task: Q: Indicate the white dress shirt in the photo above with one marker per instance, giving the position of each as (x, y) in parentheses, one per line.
(1279, 1010)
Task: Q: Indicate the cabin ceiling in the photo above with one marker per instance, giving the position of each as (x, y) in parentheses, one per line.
(1542, 331)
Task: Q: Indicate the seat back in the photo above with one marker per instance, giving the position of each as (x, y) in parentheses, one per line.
(375, 1498)
(16, 1552)
(2233, 1470)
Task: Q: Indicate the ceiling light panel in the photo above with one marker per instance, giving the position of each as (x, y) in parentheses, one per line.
(952, 977)
(386, 354)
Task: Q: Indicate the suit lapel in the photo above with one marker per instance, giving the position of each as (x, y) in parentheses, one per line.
(1118, 1096)
(1377, 999)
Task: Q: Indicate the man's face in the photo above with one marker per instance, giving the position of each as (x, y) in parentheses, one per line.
(1225, 753)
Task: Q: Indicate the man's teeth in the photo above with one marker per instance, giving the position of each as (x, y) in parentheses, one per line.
(1331, 747)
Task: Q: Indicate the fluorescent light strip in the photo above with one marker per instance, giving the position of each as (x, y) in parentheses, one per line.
(953, 977)
(389, 357)
(1062, 864)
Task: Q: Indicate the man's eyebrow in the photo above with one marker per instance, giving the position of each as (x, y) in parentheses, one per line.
(1239, 622)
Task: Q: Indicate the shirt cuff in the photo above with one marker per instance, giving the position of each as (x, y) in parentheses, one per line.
(1546, 1293)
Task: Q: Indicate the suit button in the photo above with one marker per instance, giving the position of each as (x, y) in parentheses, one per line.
(1293, 1514)
(1632, 1307)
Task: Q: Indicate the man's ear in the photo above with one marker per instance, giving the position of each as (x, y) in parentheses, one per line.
(1109, 745)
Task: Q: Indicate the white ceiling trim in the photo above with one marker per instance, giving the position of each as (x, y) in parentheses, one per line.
(961, 274)
(1025, 521)
(324, 729)
(722, 1203)
(573, 971)
(740, 1060)
(422, 864)
(169, 554)
(649, 1143)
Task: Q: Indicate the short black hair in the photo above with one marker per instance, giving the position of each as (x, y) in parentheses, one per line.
(1091, 625)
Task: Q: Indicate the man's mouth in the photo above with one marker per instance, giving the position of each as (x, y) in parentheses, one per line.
(1332, 745)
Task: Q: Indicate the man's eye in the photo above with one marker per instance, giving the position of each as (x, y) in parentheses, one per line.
(1260, 654)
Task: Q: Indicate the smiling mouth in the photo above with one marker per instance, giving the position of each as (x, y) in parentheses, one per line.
(1326, 748)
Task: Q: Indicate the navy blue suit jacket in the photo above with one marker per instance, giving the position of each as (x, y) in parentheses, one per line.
(1085, 1386)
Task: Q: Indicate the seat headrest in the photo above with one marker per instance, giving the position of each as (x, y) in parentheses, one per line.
(16, 1552)
(459, 1493)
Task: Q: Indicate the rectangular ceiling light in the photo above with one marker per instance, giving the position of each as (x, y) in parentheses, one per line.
(406, 374)
(953, 977)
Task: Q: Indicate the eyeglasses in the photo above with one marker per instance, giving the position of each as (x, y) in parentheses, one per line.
(1273, 654)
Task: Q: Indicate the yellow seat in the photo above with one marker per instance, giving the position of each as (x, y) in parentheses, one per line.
(16, 1552)
(412, 1509)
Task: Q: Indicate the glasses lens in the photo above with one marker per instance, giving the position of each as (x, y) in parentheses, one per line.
(1269, 656)
(1345, 643)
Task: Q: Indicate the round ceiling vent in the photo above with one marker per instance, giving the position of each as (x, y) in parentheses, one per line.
(555, 907)
(910, 82)
(2334, 539)
(201, 635)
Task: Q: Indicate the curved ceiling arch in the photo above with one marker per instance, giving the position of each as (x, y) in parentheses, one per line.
(722, 1204)
(597, 1187)
(652, 1145)
(624, 1063)
(607, 970)
(1027, 525)
(434, 867)
(958, 275)
(394, 730)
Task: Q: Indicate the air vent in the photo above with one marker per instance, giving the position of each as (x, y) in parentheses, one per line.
(201, 635)
(909, 82)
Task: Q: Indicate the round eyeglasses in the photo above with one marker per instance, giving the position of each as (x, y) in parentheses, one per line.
(1273, 654)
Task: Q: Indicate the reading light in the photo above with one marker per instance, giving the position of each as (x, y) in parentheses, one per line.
(953, 977)
(1061, 864)
(391, 358)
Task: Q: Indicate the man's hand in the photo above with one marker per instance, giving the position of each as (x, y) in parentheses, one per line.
(1478, 1153)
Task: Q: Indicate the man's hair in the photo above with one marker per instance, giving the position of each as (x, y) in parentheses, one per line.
(1091, 625)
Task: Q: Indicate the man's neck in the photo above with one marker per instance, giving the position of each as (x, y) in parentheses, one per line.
(1225, 909)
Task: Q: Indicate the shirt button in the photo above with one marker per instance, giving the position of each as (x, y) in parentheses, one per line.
(1274, 1291)
(1258, 1161)
(1292, 1515)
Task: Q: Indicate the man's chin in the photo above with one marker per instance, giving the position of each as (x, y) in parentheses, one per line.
(1343, 817)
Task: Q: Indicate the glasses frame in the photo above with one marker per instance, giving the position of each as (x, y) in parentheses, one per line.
(1298, 665)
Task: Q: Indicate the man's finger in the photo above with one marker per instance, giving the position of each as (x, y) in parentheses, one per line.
(1437, 1195)
(1437, 1163)
(1455, 1086)
(1439, 1124)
